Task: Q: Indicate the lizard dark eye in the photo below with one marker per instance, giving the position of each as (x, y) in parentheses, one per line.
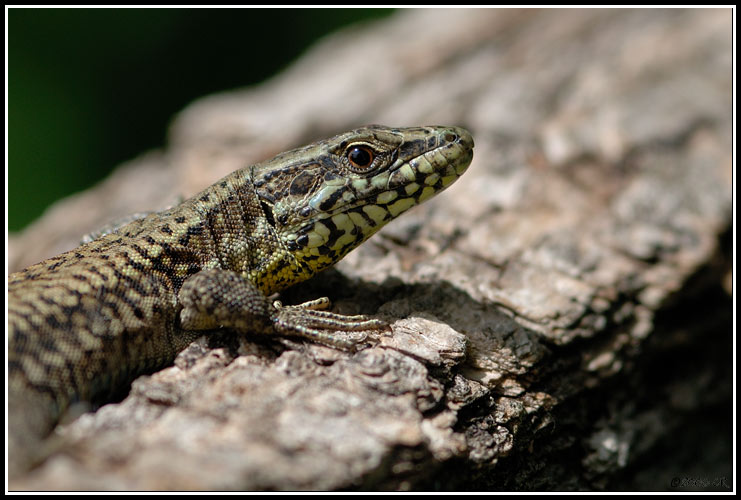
(360, 157)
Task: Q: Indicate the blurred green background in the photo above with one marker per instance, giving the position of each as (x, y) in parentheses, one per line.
(91, 88)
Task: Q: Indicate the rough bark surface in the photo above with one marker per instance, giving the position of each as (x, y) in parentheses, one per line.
(561, 315)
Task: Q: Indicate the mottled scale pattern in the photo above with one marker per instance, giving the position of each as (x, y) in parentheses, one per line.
(83, 324)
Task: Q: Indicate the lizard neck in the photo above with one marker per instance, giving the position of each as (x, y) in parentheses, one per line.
(233, 229)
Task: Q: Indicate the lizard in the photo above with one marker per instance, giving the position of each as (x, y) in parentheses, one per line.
(85, 323)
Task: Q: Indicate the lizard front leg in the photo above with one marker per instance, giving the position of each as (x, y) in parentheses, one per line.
(215, 298)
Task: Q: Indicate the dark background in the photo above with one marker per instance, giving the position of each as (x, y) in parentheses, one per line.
(91, 88)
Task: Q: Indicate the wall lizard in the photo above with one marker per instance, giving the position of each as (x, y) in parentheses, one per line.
(87, 322)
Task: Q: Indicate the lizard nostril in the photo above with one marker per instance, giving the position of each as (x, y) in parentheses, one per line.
(450, 137)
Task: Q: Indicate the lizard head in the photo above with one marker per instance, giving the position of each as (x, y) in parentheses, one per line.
(327, 198)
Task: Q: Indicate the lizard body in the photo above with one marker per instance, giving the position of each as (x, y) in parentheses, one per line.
(87, 322)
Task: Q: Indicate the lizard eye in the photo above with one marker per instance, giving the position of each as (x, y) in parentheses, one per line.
(360, 158)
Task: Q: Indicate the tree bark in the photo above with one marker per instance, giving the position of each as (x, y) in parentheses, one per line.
(562, 315)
